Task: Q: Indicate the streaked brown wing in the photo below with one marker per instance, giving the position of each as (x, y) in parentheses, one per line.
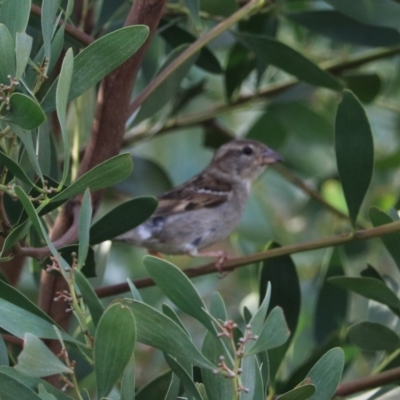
(202, 191)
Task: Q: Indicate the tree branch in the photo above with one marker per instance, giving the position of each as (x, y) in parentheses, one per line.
(233, 263)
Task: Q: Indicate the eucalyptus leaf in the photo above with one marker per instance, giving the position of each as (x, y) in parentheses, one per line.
(122, 218)
(184, 377)
(371, 336)
(101, 176)
(85, 218)
(89, 297)
(127, 390)
(302, 392)
(354, 152)
(37, 360)
(7, 60)
(98, 59)
(168, 336)
(23, 46)
(273, 334)
(272, 51)
(391, 241)
(49, 12)
(62, 91)
(179, 289)
(11, 389)
(15, 169)
(326, 383)
(113, 346)
(25, 112)
(251, 380)
(370, 288)
(15, 14)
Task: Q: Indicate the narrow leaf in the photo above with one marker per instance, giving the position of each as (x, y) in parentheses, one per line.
(63, 89)
(15, 169)
(23, 48)
(392, 241)
(179, 289)
(49, 12)
(3, 352)
(302, 392)
(101, 176)
(7, 60)
(258, 319)
(371, 336)
(37, 360)
(98, 59)
(85, 217)
(168, 336)
(127, 390)
(271, 51)
(273, 334)
(122, 219)
(11, 389)
(370, 288)
(90, 297)
(251, 380)
(113, 348)
(354, 152)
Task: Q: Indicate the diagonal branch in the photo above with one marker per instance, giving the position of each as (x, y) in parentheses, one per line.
(233, 263)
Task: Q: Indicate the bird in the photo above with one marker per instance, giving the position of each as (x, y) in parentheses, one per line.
(205, 209)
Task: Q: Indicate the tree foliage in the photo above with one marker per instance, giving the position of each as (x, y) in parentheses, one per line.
(105, 104)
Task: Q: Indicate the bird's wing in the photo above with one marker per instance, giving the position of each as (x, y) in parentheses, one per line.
(203, 191)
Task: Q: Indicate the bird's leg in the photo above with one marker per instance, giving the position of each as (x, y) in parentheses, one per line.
(221, 256)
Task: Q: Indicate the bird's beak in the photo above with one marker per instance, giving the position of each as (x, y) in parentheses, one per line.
(270, 157)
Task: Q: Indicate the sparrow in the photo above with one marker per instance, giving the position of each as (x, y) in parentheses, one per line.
(205, 209)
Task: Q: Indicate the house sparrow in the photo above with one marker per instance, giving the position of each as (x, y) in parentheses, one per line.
(207, 208)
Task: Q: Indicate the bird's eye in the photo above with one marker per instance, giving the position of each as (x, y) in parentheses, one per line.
(247, 150)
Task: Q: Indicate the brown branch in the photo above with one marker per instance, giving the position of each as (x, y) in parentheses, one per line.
(368, 382)
(233, 263)
(76, 33)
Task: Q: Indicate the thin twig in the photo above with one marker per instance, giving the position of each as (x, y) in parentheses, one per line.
(233, 263)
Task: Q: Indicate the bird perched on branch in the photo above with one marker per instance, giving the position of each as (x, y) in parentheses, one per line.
(205, 209)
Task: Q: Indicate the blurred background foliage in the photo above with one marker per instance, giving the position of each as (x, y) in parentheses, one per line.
(237, 87)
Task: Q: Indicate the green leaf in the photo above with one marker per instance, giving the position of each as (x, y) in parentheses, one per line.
(25, 112)
(184, 377)
(354, 152)
(326, 383)
(33, 383)
(156, 389)
(217, 386)
(168, 336)
(85, 217)
(44, 394)
(344, 28)
(366, 86)
(15, 236)
(3, 352)
(179, 289)
(15, 14)
(56, 47)
(171, 314)
(302, 392)
(15, 169)
(371, 336)
(392, 241)
(7, 60)
(162, 94)
(63, 89)
(98, 59)
(258, 319)
(23, 46)
(194, 9)
(134, 291)
(251, 380)
(18, 322)
(175, 36)
(122, 219)
(11, 389)
(273, 334)
(371, 289)
(113, 346)
(37, 360)
(90, 297)
(217, 307)
(271, 51)
(101, 176)
(49, 12)
(127, 389)
(372, 12)
(174, 388)
(221, 7)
